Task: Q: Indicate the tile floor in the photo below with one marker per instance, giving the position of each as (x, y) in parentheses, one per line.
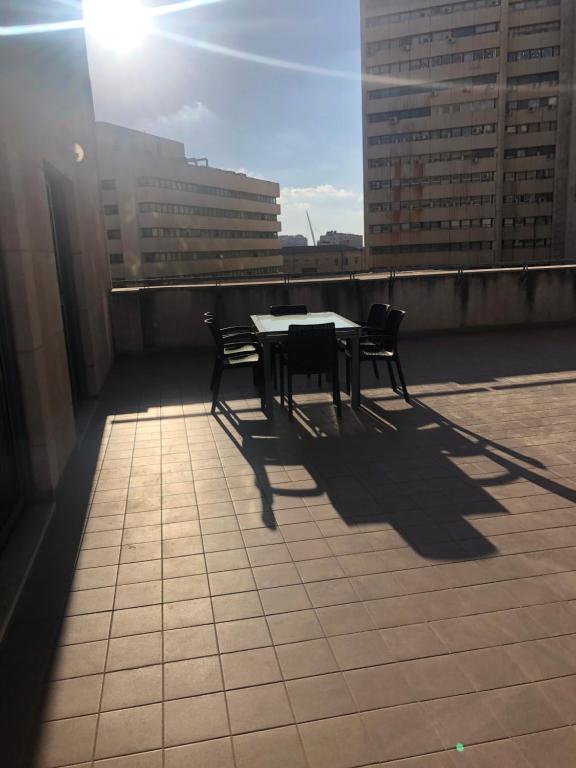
(233, 592)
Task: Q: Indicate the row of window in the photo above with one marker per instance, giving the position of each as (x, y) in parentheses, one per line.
(431, 157)
(438, 10)
(536, 242)
(535, 53)
(433, 202)
(202, 189)
(438, 133)
(226, 234)
(197, 210)
(155, 257)
(429, 226)
(542, 102)
(525, 5)
(417, 181)
(474, 245)
(529, 198)
(538, 127)
(116, 258)
(428, 62)
(528, 221)
(466, 83)
(542, 173)
(535, 29)
(407, 41)
(548, 151)
(110, 210)
(455, 108)
(534, 78)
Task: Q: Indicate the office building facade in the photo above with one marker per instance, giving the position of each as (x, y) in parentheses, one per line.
(341, 239)
(170, 216)
(468, 130)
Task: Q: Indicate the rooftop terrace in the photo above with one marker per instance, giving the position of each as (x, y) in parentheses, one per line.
(230, 591)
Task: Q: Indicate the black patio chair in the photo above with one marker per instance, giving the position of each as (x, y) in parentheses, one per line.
(311, 349)
(381, 345)
(278, 310)
(243, 352)
(230, 330)
(377, 315)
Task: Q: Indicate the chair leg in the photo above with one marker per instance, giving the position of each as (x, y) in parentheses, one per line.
(274, 371)
(290, 403)
(281, 366)
(347, 375)
(216, 388)
(319, 381)
(375, 367)
(336, 399)
(402, 380)
(392, 377)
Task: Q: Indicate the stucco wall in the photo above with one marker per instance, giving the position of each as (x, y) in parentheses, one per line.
(171, 317)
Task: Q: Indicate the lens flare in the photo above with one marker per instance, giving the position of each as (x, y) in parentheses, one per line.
(119, 25)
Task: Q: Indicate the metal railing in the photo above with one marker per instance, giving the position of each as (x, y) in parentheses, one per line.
(288, 278)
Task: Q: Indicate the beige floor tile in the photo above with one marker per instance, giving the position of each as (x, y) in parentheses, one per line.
(249, 668)
(72, 698)
(314, 698)
(259, 708)
(207, 754)
(64, 742)
(137, 729)
(312, 657)
(254, 750)
(189, 643)
(242, 635)
(134, 651)
(192, 677)
(340, 742)
(195, 719)
(132, 687)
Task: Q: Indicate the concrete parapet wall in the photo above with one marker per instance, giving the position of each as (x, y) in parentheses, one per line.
(160, 318)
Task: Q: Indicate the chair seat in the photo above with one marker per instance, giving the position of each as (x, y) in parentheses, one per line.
(241, 359)
(240, 349)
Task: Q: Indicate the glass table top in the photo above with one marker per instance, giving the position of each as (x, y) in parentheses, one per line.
(280, 324)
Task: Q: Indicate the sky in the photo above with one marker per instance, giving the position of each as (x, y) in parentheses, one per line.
(300, 128)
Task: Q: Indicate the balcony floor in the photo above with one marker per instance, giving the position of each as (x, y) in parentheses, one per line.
(233, 592)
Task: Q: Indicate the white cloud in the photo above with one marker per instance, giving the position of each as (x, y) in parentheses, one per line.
(177, 125)
(329, 207)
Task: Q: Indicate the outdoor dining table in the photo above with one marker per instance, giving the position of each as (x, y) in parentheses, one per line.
(271, 328)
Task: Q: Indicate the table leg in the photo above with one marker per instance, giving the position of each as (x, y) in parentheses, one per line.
(355, 372)
(268, 386)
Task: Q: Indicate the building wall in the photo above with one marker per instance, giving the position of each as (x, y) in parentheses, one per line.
(164, 229)
(323, 258)
(46, 126)
(435, 302)
(341, 239)
(293, 241)
(467, 112)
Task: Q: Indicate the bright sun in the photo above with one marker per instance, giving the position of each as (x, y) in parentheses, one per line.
(117, 24)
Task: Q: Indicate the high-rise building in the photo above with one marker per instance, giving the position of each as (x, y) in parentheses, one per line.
(469, 146)
(341, 238)
(167, 215)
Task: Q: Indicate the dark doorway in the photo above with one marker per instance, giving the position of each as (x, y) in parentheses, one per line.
(59, 196)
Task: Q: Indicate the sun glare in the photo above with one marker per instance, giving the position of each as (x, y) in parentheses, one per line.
(117, 24)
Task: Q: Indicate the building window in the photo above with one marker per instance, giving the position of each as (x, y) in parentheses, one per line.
(537, 242)
(535, 53)
(116, 258)
(525, 5)
(535, 29)
(443, 35)
(113, 234)
(429, 62)
(542, 173)
(439, 10)
(208, 233)
(108, 183)
(535, 78)
(529, 198)
(543, 102)
(528, 221)
(416, 181)
(197, 210)
(478, 245)
(110, 210)
(429, 226)
(441, 133)
(432, 157)
(435, 202)
(203, 189)
(547, 125)
(434, 88)
(548, 151)
(156, 257)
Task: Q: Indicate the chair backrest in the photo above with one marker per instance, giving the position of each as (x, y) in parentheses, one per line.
(311, 348)
(377, 315)
(288, 309)
(392, 328)
(214, 329)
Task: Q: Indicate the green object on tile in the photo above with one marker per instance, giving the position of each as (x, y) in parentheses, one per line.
(459, 747)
